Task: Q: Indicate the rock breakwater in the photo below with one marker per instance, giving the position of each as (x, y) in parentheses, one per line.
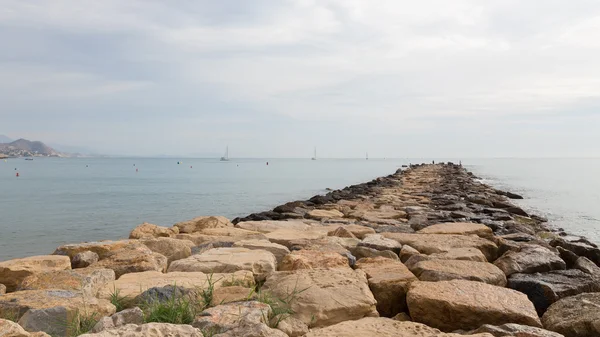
(428, 251)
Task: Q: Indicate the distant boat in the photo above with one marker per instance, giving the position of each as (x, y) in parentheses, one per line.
(367, 155)
(315, 156)
(28, 158)
(226, 156)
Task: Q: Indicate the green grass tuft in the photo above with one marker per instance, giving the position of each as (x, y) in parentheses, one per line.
(179, 309)
(120, 302)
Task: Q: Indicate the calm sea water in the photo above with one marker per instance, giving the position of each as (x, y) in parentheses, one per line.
(57, 201)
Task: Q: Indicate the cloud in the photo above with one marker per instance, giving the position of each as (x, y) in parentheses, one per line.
(209, 73)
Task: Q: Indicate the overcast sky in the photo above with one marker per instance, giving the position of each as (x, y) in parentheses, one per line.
(395, 78)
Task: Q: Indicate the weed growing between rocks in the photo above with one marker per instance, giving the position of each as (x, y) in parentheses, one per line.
(281, 307)
(10, 315)
(120, 302)
(206, 295)
(81, 323)
(177, 309)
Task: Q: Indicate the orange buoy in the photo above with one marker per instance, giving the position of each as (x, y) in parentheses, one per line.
(17, 174)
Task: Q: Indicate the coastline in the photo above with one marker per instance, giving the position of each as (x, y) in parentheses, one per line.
(380, 241)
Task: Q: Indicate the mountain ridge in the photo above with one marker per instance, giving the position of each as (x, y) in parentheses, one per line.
(26, 148)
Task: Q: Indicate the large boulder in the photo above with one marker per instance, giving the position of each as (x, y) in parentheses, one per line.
(132, 285)
(459, 228)
(382, 327)
(465, 254)
(341, 232)
(360, 252)
(149, 330)
(312, 259)
(132, 259)
(229, 260)
(543, 289)
(272, 225)
(173, 249)
(202, 222)
(278, 250)
(13, 272)
(514, 330)
(529, 259)
(377, 241)
(324, 297)
(587, 266)
(579, 248)
(575, 316)
(147, 230)
(389, 281)
(446, 270)
(290, 237)
(51, 311)
(128, 316)
(441, 243)
(466, 305)
(359, 231)
(86, 280)
(320, 214)
(102, 248)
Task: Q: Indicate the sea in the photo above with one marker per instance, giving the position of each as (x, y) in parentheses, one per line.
(55, 201)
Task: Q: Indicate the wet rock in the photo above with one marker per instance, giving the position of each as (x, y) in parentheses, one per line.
(575, 316)
(278, 250)
(127, 316)
(529, 259)
(132, 259)
(147, 230)
(388, 281)
(173, 249)
(568, 256)
(13, 272)
(229, 260)
(446, 270)
(324, 297)
(201, 223)
(85, 280)
(377, 241)
(515, 330)
(149, 330)
(361, 252)
(440, 243)
(381, 327)
(311, 259)
(543, 289)
(579, 248)
(466, 305)
(132, 285)
(459, 228)
(587, 266)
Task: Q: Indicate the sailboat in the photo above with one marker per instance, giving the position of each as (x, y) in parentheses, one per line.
(226, 156)
(315, 157)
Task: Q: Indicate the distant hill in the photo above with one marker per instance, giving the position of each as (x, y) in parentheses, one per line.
(27, 148)
(4, 139)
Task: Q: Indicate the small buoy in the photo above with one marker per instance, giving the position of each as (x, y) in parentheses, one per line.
(267, 163)
(136, 170)
(86, 166)
(190, 166)
(17, 174)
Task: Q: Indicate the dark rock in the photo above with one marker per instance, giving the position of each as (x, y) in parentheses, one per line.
(585, 265)
(418, 222)
(501, 217)
(289, 207)
(518, 237)
(480, 200)
(394, 229)
(575, 316)
(162, 294)
(517, 210)
(463, 215)
(509, 194)
(529, 259)
(321, 199)
(568, 256)
(514, 330)
(543, 289)
(491, 210)
(578, 248)
(494, 225)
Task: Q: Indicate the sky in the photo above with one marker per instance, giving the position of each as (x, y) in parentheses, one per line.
(275, 78)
